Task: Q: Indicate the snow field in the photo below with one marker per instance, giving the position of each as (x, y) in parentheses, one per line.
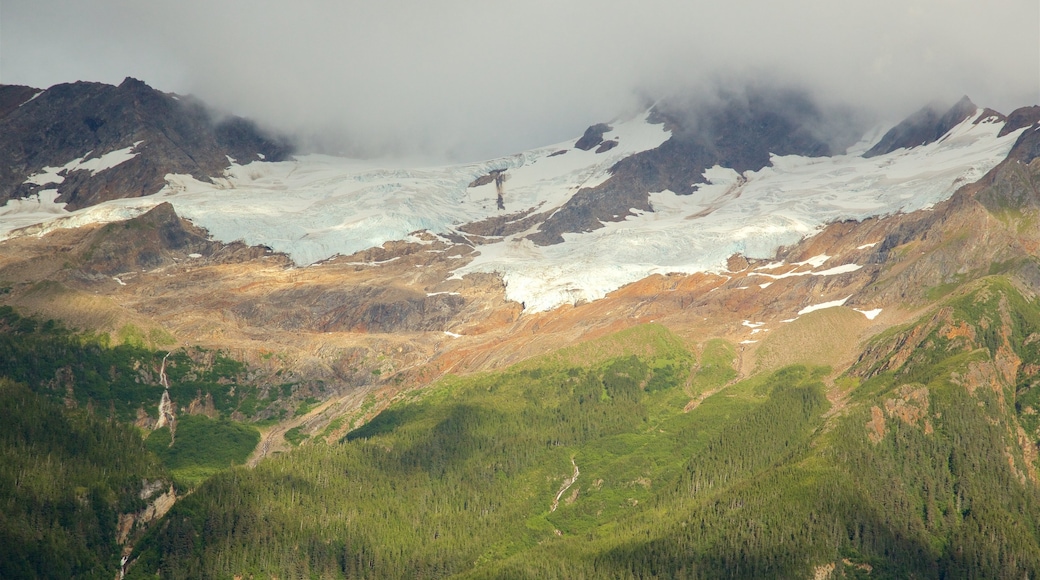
(319, 206)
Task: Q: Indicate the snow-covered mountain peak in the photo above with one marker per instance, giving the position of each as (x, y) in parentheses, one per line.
(316, 207)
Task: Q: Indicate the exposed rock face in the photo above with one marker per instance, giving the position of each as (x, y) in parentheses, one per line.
(14, 96)
(163, 133)
(359, 309)
(737, 131)
(1023, 117)
(923, 127)
(606, 146)
(203, 405)
(157, 507)
(1027, 148)
(148, 241)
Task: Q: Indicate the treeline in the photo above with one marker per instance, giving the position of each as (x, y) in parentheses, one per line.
(83, 369)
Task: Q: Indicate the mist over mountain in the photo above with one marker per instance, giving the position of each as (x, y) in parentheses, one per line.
(465, 84)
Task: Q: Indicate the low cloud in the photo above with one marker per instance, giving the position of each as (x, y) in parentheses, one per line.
(466, 80)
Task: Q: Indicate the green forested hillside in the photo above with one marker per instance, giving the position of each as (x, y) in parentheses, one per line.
(71, 464)
(120, 380)
(919, 462)
(65, 476)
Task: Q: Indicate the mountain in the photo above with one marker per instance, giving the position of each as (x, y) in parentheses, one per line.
(925, 126)
(735, 338)
(69, 137)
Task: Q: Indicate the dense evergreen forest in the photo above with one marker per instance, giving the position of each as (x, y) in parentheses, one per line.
(919, 461)
(65, 476)
(71, 463)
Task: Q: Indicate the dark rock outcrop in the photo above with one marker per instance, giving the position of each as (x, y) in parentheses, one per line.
(923, 127)
(1023, 117)
(168, 134)
(1027, 148)
(606, 146)
(593, 136)
(14, 96)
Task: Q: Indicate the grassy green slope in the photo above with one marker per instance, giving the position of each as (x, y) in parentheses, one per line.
(118, 381)
(202, 447)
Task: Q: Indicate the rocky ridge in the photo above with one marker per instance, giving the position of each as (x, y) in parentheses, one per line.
(68, 136)
(739, 131)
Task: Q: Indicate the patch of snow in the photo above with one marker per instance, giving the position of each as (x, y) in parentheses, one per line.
(843, 269)
(452, 334)
(443, 293)
(766, 285)
(46, 176)
(865, 246)
(374, 263)
(750, 324)
(51, 175)
(121, 283)
(30, 211)
(782, 276)
(823, 305)
(870, 314)
(106, 161)
(194, 256)
(815, 261)
(32, 98)
(748, 341)
(790, 319)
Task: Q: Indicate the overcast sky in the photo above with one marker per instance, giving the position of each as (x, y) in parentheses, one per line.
(472, 80)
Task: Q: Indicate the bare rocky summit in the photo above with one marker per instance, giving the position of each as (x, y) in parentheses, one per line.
(925, 126)
(161, 133)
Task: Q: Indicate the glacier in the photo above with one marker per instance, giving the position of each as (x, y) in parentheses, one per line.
(317, 207)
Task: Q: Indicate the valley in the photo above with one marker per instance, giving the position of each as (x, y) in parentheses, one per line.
(811, 364)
